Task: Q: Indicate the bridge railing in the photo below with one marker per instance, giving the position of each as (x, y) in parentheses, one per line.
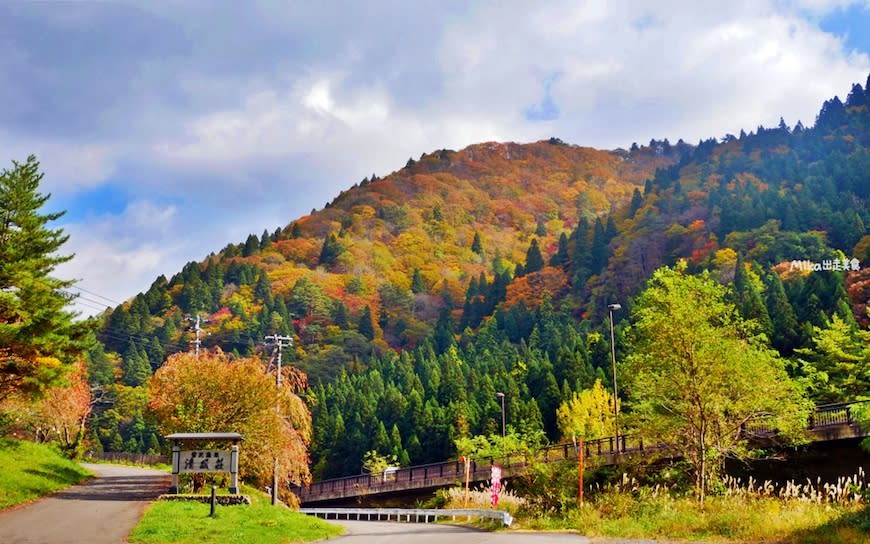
(454, 470)
(434, 474)
(827, 415)
(823, 416)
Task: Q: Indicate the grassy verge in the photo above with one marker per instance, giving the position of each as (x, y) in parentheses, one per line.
(156, 466)
(33, 470)
(723, 519)
(167, 522)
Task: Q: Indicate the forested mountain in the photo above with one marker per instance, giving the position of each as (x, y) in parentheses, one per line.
(413, 298)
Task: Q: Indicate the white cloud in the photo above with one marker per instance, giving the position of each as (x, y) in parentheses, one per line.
(343, 131)
(119, 255)
(689, 70)
(312, 100)
(68, 166)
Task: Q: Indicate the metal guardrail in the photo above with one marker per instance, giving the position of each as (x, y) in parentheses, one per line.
(415, 515)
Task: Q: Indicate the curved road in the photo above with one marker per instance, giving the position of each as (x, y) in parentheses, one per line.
(379, 532)
(103, 510)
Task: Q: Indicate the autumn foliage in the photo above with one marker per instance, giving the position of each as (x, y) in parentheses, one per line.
(214, 393)
(505, 256)
(59, 415)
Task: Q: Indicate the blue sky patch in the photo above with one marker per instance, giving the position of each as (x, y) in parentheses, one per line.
(105, 199)
(852, 24)
(546, 109)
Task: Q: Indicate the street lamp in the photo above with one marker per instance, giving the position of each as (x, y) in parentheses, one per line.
(500, 395)
(612, 308)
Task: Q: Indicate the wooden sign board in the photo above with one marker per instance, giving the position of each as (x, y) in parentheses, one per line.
(204, 461)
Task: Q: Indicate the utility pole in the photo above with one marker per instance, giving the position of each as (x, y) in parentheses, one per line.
(500, 395)
(280, 342)
(613, 308)
(196, 327)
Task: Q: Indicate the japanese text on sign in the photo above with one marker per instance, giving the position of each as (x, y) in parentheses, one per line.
(205, 461)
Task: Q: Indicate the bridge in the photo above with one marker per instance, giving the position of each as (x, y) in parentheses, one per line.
(827, 423)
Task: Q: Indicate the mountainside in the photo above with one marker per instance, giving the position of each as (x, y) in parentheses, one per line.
(413, 298)
(399, 248)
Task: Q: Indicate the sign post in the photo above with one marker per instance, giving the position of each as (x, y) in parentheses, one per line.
(205, 460)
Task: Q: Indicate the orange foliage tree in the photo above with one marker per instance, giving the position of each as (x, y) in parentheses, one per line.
(59, 415)
(533, 287)
(213, 393)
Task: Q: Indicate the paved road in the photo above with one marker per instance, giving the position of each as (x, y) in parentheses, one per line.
(101, 511)
(378, 532)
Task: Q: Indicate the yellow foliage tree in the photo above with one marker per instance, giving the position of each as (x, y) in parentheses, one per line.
(213, 393)
(588, 414)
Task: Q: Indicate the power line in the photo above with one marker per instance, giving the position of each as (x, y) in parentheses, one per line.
(116, 334)
(78, 298)
(87, 304)
(82, 289)
(142, 340)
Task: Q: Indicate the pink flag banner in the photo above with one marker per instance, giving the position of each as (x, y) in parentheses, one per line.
(496, 484)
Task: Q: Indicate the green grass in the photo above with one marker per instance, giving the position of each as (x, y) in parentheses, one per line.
(157, 466)
(723, 519)
(33, 470)
(167, 522)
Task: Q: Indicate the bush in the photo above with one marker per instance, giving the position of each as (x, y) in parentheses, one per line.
(223, 500)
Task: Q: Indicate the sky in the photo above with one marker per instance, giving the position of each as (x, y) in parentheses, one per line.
(167, 130)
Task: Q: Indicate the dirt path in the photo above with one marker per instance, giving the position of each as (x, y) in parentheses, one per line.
(101, 511)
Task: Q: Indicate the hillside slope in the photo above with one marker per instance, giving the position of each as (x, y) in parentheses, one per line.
(413, 298)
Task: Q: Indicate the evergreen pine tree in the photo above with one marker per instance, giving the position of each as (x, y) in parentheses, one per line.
(442, 335)
(38, 337)
(418, 284)
(785, 333)
(599, 251)
(263, 288)
(265, 240)
(341, 317)
(252, 246)
(580, 249)
(534, 259)
(636, 201)
(476, 244)
(135, 367)
(561, 258)
(366, 326)
(330, 251)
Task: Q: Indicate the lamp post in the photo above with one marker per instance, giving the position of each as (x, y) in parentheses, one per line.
(500, 395)
(612, 308)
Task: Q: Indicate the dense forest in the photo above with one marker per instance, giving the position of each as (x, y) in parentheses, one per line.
(412, 299)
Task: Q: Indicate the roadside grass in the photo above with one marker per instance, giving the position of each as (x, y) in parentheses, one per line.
(33, 470)
(722, 519)
(156, 466)
(174, 522)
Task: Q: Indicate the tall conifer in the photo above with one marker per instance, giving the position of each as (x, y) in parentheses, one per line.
(38, 337)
